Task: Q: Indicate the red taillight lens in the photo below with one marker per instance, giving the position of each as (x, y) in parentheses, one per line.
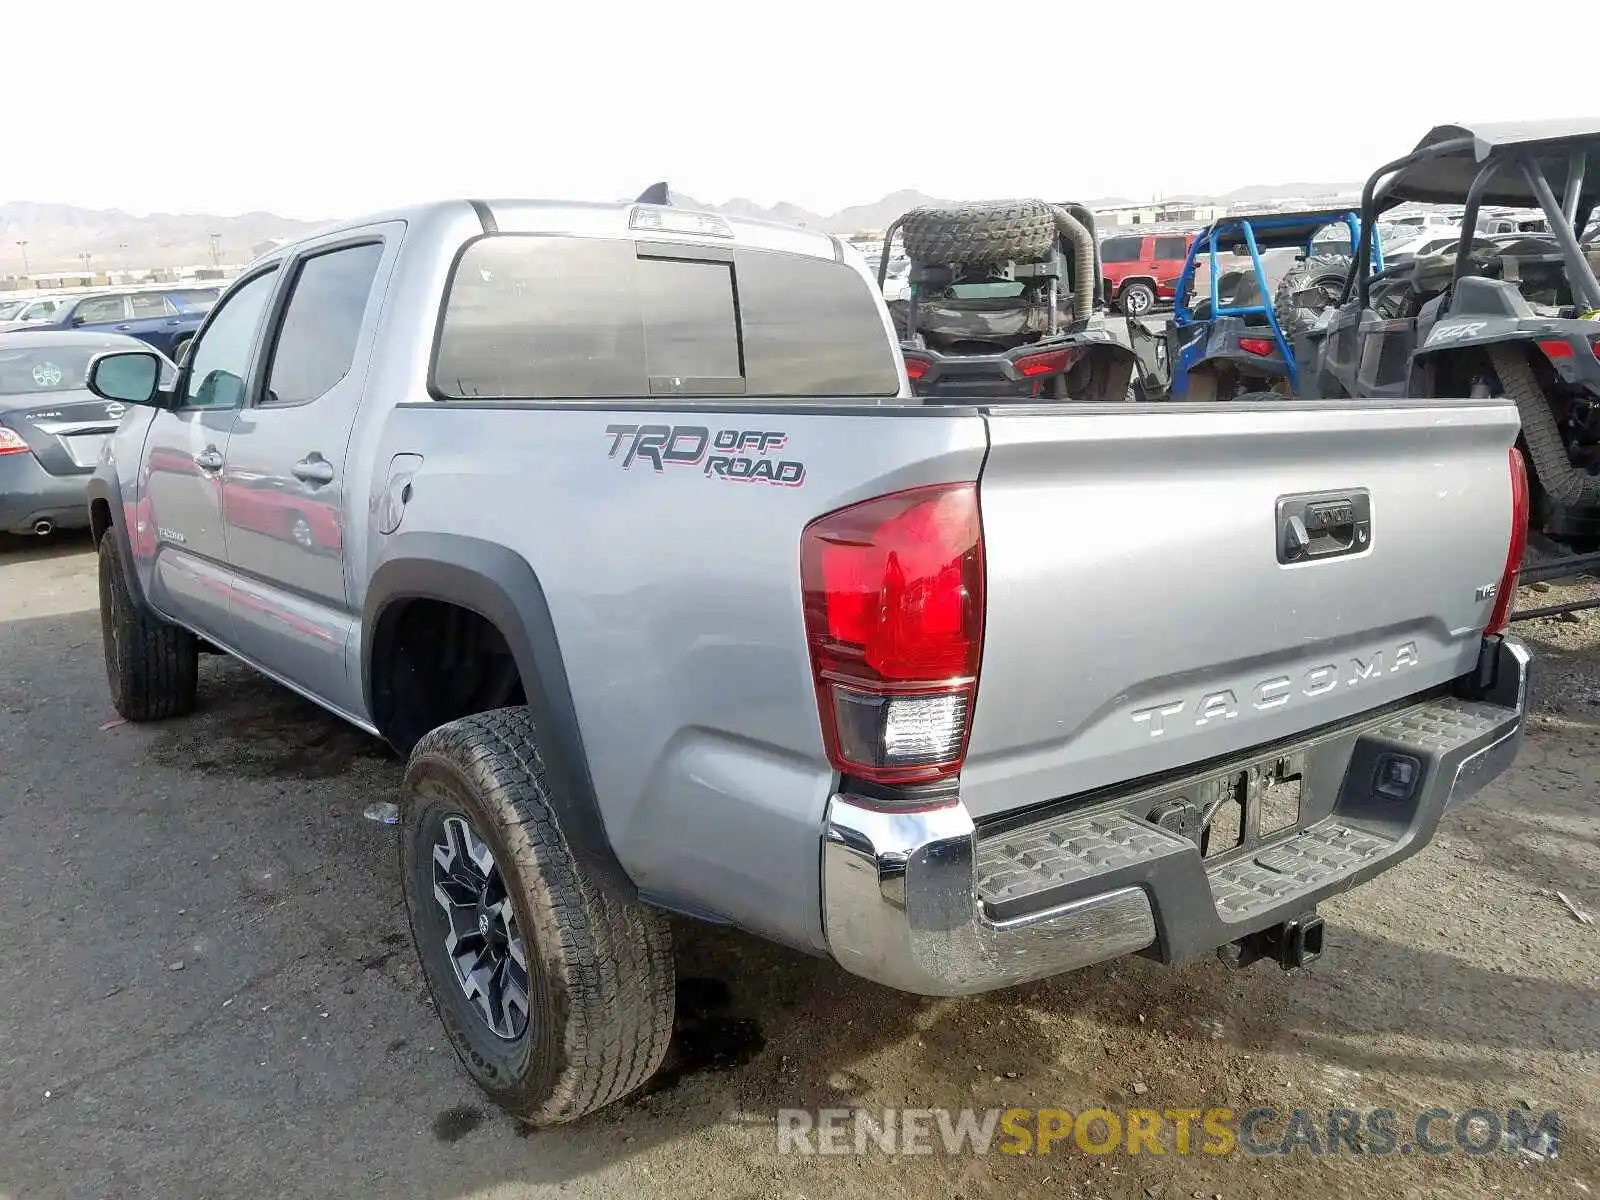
(1261, 347)
(916, 367)
(1503, 598)
(894, 618)
(1050, 362)
(1556, 348)
(11, 442)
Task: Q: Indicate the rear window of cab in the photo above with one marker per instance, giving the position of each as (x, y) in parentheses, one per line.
(531, 317)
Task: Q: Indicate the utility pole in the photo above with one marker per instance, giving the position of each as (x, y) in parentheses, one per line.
(216, 249)
(23, 242)
(84, 256)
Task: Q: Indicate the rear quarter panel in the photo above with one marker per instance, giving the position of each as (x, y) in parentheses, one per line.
(677, 604)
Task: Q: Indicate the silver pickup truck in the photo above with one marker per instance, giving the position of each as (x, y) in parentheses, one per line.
(622, 523)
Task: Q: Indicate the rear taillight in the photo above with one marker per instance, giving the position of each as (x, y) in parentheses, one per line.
(1260, 347)
(1556, 348)
(916, 367)
(1049, 362)
(11, 442)
(1519, 544)
(894, 618)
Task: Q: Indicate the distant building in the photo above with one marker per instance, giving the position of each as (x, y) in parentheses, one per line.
(1167, 213)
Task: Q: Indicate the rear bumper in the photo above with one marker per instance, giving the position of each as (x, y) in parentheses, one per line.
(30, 494)
(930, 903)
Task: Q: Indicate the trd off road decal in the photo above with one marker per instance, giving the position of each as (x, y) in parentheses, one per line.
(741, 455)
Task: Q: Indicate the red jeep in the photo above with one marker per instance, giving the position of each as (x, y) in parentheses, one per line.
(1142, 268)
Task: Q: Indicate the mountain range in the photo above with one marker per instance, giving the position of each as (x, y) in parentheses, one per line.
(57, 235)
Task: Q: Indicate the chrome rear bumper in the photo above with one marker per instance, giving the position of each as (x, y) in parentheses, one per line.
(928, 903)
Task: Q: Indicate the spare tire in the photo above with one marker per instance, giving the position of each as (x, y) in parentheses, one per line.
(1325, 271)
(987, 231)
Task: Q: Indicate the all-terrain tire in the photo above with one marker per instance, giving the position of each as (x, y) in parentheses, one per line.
(152, 667)
(989, 231)
(1326, 271)
(599, 968)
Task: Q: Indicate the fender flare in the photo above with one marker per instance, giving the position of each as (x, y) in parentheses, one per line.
(105, 487)
(499, 585)
(1484, 341)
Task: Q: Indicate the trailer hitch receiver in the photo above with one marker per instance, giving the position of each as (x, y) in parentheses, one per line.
(1295, 943)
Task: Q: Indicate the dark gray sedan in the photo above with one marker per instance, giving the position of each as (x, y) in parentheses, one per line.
(51, 427)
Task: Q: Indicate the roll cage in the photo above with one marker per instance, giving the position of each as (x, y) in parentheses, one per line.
(1500, 164)
(1270, 231)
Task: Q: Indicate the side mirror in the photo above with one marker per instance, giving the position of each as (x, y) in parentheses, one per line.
(80, 320)
(126, 377)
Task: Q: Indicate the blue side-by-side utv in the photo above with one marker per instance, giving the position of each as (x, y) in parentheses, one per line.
(1264, 272)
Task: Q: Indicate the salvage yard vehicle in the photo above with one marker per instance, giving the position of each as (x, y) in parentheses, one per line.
(1140, 270)
(679, 600)
(52, 428)
(1236, 341)
(1514, 318)
(165, 318)
(1003, 300)
(18, 313)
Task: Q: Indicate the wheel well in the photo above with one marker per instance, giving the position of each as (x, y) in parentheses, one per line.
(99, 519)
(434, 662)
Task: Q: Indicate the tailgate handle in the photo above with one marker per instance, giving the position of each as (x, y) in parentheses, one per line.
(1323, 525)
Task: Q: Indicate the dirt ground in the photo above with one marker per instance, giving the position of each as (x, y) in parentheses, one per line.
(209, 990)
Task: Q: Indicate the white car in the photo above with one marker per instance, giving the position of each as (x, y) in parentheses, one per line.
(16, 313)
(1429, 240)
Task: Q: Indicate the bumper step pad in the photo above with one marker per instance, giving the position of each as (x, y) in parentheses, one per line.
(1031, 867)
(1065, 851)
(1306, 861)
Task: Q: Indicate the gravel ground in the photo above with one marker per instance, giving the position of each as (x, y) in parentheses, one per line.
(209, 988)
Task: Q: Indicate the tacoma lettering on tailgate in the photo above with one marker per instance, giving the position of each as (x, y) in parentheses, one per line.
(1277, 690)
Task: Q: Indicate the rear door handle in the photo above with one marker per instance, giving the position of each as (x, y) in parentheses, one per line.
(122, 327)
(313, 469)
(209, 459)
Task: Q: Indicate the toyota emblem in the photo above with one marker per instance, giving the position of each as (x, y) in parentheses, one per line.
(115, 410)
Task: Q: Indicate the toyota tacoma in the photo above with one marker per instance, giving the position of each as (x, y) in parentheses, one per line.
(626, 529)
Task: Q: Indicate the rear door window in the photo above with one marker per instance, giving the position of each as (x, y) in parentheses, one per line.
(1171, 249)
(531, 317)
(316, 343)
(148, 304)
(100, 310)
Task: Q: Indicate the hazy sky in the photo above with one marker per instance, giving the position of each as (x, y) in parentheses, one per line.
(327, 108)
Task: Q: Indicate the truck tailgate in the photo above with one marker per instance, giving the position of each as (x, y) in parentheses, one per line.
(1139, 618)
